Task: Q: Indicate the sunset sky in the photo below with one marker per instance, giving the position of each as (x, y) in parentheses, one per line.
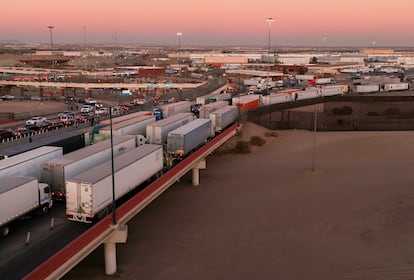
(211, 22)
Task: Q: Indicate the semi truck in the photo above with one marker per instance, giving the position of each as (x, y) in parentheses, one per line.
(157, 132)
(219, 97)
(276, 98)
(89, 194)
(183, 140)
(395, 86)
(367, 88)
(205, 110)
(223, 117)
(135, 126)
(251, 101)
(125, 117)
(28, 163)
(174, 108)
(331, 91)
(55, 171)
(20, 195)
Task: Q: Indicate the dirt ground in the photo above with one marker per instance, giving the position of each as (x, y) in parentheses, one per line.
(267, 215)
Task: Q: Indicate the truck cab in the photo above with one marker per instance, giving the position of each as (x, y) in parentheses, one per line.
(45, 197)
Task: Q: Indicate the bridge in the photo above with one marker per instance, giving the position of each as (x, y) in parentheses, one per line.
(42, 84)
(107, 233)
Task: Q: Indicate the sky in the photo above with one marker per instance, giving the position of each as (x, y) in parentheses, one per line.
(330, 23)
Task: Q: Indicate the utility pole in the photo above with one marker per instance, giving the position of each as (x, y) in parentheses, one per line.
(268, 20)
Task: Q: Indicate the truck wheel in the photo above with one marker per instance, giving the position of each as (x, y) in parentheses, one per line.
(45, 209)
(5, 231)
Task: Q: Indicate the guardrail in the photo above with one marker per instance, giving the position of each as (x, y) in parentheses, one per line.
(63, 261)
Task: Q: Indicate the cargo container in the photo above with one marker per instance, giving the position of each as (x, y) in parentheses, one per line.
(251, 101)
(174, 108)
(324, 81)
(157, 132)
(205, 110)
(305, 94)
(133, 126)
(89, 194)
(28, 163)
(276, 98)
(183, 140)
(304, 77)
(367, 88)
(395, 86)
(57, 170)
(223, 117)
(19, 195)
(331, 91)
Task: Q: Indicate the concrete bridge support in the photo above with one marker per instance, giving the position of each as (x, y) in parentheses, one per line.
(118, 236)
(196, 172)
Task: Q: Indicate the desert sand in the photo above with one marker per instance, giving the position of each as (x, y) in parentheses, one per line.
(267, 215)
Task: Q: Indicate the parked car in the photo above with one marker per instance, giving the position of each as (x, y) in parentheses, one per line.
(5, 134)
(7, 97)
(66, 113)
(37, 121)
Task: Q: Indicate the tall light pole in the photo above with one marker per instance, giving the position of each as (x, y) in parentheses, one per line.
(179, 34)
(269, 20)
(84, 35)
(51, 43)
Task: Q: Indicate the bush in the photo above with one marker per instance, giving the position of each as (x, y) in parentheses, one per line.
(257, 141)
(271, 134)
(242, 147)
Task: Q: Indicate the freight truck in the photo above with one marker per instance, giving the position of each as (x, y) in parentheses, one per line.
(157, 132)
(276, 98)
(135, 126)
(28, 163)
(205, 110)
(20, 195)
(223, 117)
(89, 194)
(367, 88)
(185, 139)
(395, 86)
(251, 101)
(56, 171)
(174, 108)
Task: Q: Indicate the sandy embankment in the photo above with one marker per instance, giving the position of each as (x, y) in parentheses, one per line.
(267, 215)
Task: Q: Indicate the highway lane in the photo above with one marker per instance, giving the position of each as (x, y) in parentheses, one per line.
(17, 258)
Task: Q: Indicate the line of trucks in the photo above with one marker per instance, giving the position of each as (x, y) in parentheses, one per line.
(82, 178)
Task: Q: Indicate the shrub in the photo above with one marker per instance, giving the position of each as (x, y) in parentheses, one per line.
(257, 141)
(242, 147)
(271, 134)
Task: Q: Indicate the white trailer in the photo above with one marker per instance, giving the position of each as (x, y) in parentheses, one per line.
(174, 108)
(28, 163)
(331, 91)
(20, 195)
(324, 81)
(205, 110)
(56, 171)
(135, 126)
(276, 98)
(183, 140)
(367, 88)
(157, 132)
(305, 94)
(223, 117)
(395, 86)
(305, 77)
(89, 194)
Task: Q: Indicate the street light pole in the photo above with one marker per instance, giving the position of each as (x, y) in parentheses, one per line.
(268, 20)
(179, 34)
(113, 170)
(51, 43)
(315, 117)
